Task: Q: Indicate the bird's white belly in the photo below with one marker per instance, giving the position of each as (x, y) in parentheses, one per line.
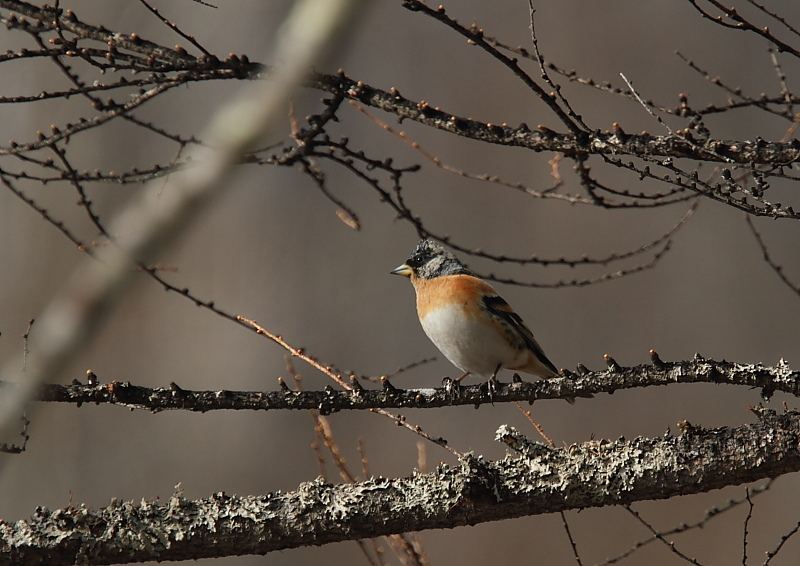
(470, 345)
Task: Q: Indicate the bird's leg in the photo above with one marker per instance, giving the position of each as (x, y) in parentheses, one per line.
(463, 375)
(453, 386)
(492, 383)
(493, 379)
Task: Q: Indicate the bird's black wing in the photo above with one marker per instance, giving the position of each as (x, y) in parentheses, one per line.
(496, 305)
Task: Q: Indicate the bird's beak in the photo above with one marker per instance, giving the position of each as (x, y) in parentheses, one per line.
(403, 270)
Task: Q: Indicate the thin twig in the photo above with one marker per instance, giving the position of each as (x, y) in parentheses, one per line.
(575, 554)
(778, 269)
(746, 524)
(784, 539)
(668, 543)
(544, 74)
(339, 379)
(535, 424)
(174, 27)
(549, 441)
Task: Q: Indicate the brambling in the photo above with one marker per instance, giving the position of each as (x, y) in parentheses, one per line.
(475, 329)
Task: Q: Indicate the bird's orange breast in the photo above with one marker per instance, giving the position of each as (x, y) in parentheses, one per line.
(465, 290)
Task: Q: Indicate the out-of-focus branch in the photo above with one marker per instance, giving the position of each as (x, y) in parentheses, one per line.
(538, 480)
(614, 378)
(148, 225)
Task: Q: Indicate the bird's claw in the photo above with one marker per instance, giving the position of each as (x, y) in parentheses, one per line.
(489, 388)
(451, 387)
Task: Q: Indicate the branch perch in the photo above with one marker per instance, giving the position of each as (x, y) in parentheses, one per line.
(616, 377)
(537, 480)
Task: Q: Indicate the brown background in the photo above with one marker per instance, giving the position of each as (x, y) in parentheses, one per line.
(274, 250)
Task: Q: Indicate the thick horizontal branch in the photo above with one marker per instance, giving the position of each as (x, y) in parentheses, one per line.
(615, 377)
(537, 480)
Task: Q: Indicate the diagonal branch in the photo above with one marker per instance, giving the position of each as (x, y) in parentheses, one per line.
(537, 480)
(770, 261)
(149, 225)
(475, 36)
(543, 139)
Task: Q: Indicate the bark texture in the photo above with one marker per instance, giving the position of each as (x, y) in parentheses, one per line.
(536, 479)
(699, 370)
(544, 139)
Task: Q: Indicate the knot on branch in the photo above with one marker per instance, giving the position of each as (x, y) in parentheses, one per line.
(480, 484)
(520, 443)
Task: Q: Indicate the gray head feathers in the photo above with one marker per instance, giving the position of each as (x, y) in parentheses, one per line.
(431, 259)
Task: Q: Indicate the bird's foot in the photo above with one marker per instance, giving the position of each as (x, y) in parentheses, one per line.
(489, 388)
(452, 387)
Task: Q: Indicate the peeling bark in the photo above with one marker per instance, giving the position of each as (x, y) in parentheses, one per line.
(615, 377)
(535, 480)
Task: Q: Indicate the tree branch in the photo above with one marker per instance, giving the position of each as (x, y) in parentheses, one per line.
(616, 377)
(597, 142)
(538, 480)
(166, 60)
(148, 225)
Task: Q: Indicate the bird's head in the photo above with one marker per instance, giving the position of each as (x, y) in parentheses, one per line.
(430, 259)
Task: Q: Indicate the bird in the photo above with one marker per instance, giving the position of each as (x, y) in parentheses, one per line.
(467, 320)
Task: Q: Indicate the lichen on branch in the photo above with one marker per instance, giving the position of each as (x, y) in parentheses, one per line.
(534, 479)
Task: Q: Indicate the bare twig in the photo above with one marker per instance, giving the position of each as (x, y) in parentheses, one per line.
(575, 554)
(339, 379)
(709, 516)
(777, 268)
(543, 70)
(474, 36)
(745, 534)
(174, 27)
(784, 539)
(669, 544)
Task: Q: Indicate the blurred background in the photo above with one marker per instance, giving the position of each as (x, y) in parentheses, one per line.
(275, 251)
